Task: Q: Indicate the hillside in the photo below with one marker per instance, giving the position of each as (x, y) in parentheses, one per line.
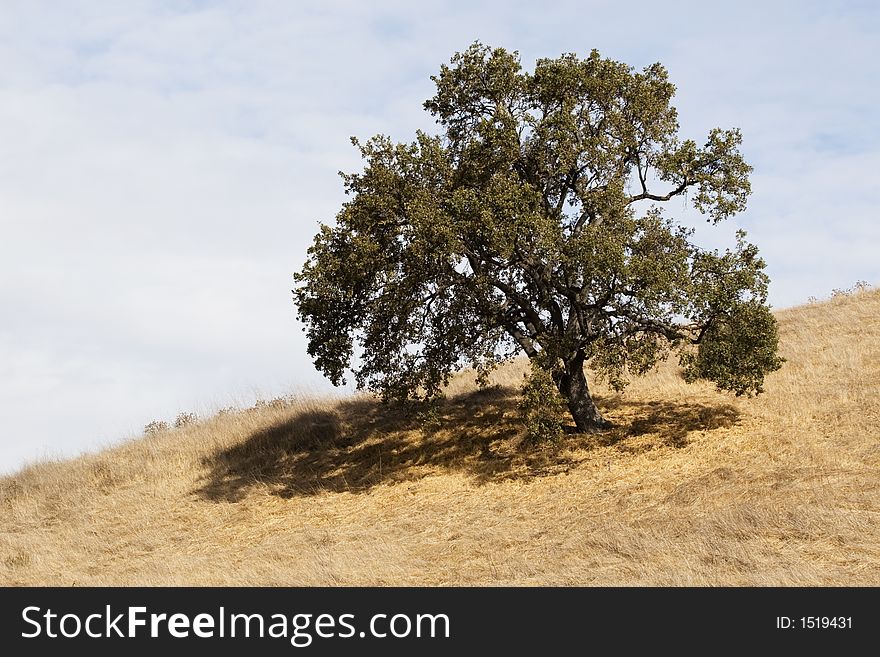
(693, 487)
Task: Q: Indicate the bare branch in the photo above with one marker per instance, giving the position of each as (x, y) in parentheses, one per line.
(657, 197)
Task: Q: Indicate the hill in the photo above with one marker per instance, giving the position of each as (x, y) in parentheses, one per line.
(693, 487)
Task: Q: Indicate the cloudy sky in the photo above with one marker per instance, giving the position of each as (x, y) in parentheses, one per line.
(163, 167)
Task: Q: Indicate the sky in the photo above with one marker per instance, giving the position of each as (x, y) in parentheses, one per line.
(164, 166)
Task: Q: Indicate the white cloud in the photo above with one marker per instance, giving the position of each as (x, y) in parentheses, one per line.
(163, 169)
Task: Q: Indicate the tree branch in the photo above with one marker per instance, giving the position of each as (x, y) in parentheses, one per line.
(657, 197)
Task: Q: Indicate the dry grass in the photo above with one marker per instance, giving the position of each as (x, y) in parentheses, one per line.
(694, 487)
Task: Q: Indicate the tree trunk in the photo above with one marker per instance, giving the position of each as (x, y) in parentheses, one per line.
(572, 385)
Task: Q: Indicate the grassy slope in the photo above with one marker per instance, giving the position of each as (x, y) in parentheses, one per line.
(694, 487)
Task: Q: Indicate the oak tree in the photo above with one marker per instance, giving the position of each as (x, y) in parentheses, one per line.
(532, 222)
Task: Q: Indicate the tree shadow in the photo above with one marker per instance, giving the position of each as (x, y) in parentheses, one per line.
(671, 422)
(361, 443)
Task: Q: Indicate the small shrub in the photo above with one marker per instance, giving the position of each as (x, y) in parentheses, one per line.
(155, 427)
(429, 417)
(185, 420)
(859, 286)
(541, 406)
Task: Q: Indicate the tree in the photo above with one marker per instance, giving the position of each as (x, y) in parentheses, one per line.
(532, 223)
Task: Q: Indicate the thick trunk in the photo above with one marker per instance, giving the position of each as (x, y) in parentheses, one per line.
(572, 385)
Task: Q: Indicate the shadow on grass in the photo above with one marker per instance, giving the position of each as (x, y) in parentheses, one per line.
(362, 443)
(671, 422)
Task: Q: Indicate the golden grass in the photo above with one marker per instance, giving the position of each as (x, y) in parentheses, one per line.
(693, 487)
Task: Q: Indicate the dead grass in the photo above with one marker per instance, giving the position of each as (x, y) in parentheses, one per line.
(693, 487)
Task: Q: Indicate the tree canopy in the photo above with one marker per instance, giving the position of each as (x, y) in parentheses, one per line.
(533, 222)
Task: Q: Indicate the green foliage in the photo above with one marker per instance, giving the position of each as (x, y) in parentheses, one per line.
(736, 350)
(540, 405)
(533, 223)
(429, 416)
